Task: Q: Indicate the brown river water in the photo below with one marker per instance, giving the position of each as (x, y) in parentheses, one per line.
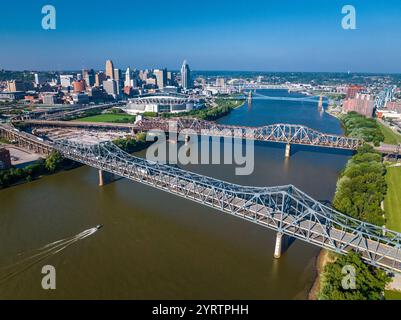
(158, 246)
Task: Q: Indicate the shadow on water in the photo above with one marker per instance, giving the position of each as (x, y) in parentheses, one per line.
(295, 148)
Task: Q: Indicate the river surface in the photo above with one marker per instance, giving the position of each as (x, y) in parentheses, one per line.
(158, 246)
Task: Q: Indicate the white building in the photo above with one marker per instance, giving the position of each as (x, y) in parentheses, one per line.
(174, 103)
(66, 80)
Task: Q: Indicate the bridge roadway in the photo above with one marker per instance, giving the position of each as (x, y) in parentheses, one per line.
(282, 133)
(285, 209)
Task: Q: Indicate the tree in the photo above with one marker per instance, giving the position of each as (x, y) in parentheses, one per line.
(54, 161)
(369, 282)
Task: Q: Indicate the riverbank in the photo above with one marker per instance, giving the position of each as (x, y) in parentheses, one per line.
(392, 202)
(321, 261)
(39, 169)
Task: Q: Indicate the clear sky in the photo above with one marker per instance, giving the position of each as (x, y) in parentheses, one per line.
(260, 35)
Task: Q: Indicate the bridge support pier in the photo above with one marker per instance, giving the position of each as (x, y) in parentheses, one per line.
(279, 244)
(101, 178)
(288, 150)
(105, 177)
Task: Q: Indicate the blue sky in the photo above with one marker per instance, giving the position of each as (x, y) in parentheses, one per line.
(254, 35)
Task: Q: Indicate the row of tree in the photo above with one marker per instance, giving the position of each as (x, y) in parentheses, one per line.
(132, 144)
(359, 126)
(51, 164)
(224, 107)
(360, 191)
(362, 187)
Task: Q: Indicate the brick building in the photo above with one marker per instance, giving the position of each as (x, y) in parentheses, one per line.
(362, 103)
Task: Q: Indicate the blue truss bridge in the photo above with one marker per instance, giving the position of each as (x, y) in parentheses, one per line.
(284, 209)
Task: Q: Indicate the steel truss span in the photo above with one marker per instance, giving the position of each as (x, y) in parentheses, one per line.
(285, 209)
(284, 133)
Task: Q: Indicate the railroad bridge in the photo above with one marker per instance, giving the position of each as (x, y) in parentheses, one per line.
(281, 133)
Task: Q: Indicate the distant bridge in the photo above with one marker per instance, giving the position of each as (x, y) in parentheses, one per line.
(282, 133)
(284, 209)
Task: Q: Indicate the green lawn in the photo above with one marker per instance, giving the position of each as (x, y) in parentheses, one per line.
(108, 117)
(390, 136)
(392, 295)
(392, 202)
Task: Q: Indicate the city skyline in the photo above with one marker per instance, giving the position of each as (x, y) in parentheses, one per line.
(267, 36)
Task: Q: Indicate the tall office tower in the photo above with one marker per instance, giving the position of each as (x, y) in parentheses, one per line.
(161, 78)
(185, 75)
(110, 86)
(128, 78)
(117, 75)
(99, 78)
(89, 77)
(109, 69)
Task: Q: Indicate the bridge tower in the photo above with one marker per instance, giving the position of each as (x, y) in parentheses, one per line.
(320, 105)
(250, 97)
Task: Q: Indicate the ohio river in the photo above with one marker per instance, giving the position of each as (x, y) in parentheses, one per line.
(158, 246)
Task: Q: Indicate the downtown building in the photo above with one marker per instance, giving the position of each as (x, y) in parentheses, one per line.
(363, 104)
(185, 76)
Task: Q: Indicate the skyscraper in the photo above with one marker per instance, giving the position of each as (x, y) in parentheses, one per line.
(128, 78)
(89, 77)
(99, 78)
(185, 75)
(161, 78)
(109, 69)
(117, 75)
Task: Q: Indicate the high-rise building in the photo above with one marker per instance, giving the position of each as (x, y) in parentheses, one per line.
(128, 78)
(109, 69)
(117, 75)
(66, 80)
(15, 85)
(99, 78)
(89, 77)
(110, 86)
(352, 91)
(185, 75)
(161, 78)
(79, 86)
(362, 103)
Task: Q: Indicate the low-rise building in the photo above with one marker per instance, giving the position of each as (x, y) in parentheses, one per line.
(173, 103)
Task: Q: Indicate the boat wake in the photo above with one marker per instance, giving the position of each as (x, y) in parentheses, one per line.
(27, 260)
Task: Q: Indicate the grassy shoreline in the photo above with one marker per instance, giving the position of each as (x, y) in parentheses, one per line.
(392, 202)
